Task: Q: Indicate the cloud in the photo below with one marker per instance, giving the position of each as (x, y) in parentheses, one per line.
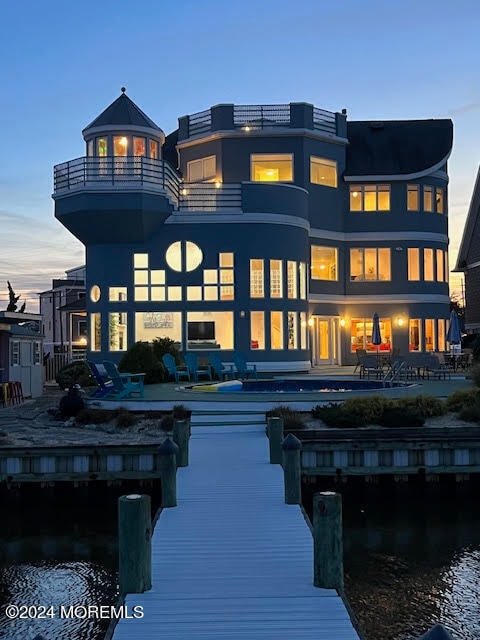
(464, 108)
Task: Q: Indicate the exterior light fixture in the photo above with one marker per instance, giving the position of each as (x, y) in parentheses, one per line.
(400, 322)
(246, 128)
(342, 322)
(218, 184)
(184, 192)
(83, 341)
(310, 322)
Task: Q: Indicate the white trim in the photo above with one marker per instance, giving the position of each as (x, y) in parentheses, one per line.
(385, 298)
(279, 132)
(377, 236)
(207, 217)
(122, 128)
(401, 177)
(289, 185)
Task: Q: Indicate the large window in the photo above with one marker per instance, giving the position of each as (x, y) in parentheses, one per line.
(429, 335)
(370, 197)
(413, 263)
(413, 197)
(202, 169)
(323, 263)
(276, 284)
(323, 171)
(117, 331)
(271, 167)
(210, 330)
(120, 146)
(95, 331)
(276, 330)
(428, 273)
(440, 265)
(414, 337)
(441, 335)
(256, 279)
(158, 324)
(291, 279)
(369, 264)
(362, 331)
(439, 206)
(139, 146)
(302, 274)
(257, 330)
(292, 325)
(117, 294)
(428, 198)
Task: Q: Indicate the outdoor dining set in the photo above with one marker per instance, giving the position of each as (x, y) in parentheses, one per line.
(412, 366)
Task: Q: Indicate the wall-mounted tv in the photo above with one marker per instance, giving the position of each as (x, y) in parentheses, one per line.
(201, 331)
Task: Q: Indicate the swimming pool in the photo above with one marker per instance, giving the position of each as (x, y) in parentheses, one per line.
(297, 385)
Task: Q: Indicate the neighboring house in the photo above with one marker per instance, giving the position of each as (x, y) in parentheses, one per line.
(21, 351)
(276, 230)
(468, 261)
(64, 313)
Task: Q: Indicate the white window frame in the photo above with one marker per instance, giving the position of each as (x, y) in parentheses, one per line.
(205, 173)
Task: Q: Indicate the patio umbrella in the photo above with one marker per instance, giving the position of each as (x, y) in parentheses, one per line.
(454, 335)
(376, 334)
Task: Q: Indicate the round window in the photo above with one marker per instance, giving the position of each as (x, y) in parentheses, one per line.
(188, 254)
(95, 293)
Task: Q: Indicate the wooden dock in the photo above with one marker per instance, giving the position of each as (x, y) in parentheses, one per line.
(232, 561)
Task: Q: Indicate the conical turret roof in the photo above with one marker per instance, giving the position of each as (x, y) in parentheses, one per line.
(123, 112)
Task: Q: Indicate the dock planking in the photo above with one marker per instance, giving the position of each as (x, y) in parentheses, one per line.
(232, 561)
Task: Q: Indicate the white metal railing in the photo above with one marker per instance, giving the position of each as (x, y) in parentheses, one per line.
(208, 196)
(260, 116)
(324, 121)
(199, 122)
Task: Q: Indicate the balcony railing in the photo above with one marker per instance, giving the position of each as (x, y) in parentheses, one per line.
(207, 196)
(260, 116)
(119, 172)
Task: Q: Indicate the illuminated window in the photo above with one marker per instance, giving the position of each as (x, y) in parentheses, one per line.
(207, 328)
(414, 337)
(440, 265)
(95, 293)
(210, 276)
(117, 331)
(157, 294)
(173, 256)
(90, 148)
(101, 146)
(210, 293)
(194, 293)
(439, 200)
(153, 150)
(427, 198)
(447, 270)
(276, 330)
(257, 330)
(140, 276)
(120, 145)
(441, 335)
(370, 197)
(428, 264)
(174, 294)
(193, 256)
(276, 283)
(271, 167)
(323, 263)
(292, 327)
(140, 294)
(117, 294)
(413, 197)
(323, 171)
(369, 264)
(187, 252)
(150, 325)
(95, 331)
(413, 264)
(226, 260)
(157, 276)
(256, 279)
(201, 169)
(429, 335)
(362, 331)
(303, 330)
(139, 146)
(140, 260)
(302, 274)
(291, 279)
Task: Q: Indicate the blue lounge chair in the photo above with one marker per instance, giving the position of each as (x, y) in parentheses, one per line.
(173, 369)
(242, 369)
(218, 368)
(123, 383)
(196, 372)
(105, 385)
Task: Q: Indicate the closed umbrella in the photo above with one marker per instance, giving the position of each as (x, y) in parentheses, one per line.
(376, 333)
(454, 335)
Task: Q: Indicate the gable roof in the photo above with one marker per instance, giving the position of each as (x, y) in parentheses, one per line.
(123, 112)
(473, 219)
(397, 147)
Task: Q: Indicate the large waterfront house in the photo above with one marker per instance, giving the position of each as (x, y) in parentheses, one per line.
(468, 261)
(274, 230)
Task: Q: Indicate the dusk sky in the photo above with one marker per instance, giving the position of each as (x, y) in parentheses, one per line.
(62, 63)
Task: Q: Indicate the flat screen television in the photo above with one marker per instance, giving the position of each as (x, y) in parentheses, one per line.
(201, 330)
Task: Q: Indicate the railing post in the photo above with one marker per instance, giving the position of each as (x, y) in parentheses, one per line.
(180, 438)
(275, 438)
(327, 540)
(134, 544)
(292, 469)
(168, 451)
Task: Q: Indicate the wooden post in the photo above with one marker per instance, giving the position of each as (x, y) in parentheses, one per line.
(134, 544)
(180, 437)
(168, 451)
(292, 469)
(327, 540)
(275, 438)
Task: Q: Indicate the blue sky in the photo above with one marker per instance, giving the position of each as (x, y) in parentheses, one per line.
(62, 63)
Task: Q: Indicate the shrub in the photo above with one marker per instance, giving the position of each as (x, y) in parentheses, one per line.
(475, 373)
(140, 359)
(396, 415)
(75, 373)
(160, 346)
(425, 406)
(181, 412)
(291, 419)
(335, 414)
(94, 416)
(470, 413)
(371, 407)
(462, 398)
(166, 423)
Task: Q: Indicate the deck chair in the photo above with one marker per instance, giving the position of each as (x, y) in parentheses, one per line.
(243, 369)
(105, 385)
(122, 383)
(173, 369)
(196, 372)
(218, 368)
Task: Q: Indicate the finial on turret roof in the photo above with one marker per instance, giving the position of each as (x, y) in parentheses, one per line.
(123, 89)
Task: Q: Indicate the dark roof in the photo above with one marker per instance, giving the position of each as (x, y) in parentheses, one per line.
(75, 306)
(123, 111)
(396, 146)
(169, 149)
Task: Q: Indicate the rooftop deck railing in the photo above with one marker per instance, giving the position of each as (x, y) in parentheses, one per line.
(260, 116)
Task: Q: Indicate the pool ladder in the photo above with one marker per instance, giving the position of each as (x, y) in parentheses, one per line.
(394, 372)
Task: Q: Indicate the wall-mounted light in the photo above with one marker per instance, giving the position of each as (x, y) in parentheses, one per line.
(184, 192)
(400, 322)
(218, 184)
(83, 341)
(242, 314)
(342, 322)
(310, 322)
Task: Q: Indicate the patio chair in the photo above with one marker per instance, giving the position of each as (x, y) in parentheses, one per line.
(177, 372)
(433, 367)
(242, 369)
(196, 372)
(218, 368)
(105, 385)
(123, 383)
(361, 353)
(370, 367)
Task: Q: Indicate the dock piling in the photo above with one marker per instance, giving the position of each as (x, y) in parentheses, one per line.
(327, 540)
(292, 471)
(275, 438)
(168, 451)
(180, 437)
(134, 543)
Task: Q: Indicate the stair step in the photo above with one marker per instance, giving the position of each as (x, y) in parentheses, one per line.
(227, 417)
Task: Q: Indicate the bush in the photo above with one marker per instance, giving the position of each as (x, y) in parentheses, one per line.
(181, 413)
(475, 373)
(425, 406)
(75, 373)
(462, 398)
(160, 346)
(166, 423)
(335, 414)
(141, 359)
(397, 415)
(371, 407)
(470, 413)
(291, 419)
